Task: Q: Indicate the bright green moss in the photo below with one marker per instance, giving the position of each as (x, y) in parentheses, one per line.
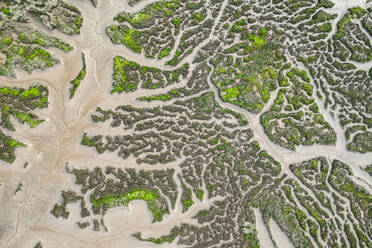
(27, 58)
(26, 117)
(187, 204)
(43, 102)
(163, 239)
(129, 39)
(280, 99)
(198, 17)
(168, 12)
(131, 87)
(164, 53)
(76, 82)
(326, 27)
(78, 22)
(161, 97)
(8, 91)
(37, 52)
(174, 91)
(128, 76)
(31, 92)
(120, 73)
(7, 148)
(150, 197)
(230, 93)
(176, 22)
(12, 143)
(308, 88)
(6, 11)
(258, 41)
(125, 199)
(24, 101)
(283, 83)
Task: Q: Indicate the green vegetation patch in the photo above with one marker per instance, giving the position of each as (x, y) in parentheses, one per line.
(160, 97)
(128, 76)
(129, 185)
(19, 103)
(362, 142)
(153, 29)
(123, 34)
(117, 200)
(76, 82)
(8, 146)
(293, 119)
(60, 210)
(358, 49)
(24, 48)
(248, 79)
(28, 35)
(27, 58)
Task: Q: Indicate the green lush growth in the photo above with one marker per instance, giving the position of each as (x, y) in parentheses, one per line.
(21, 46)
(164, 53)
(76, 82)
(27, 58)
(19, 103)
(357, 12)
(106, 193)
(117, 200)
(7, 147)
(186, 198)
(128, 76)
(248, 80)
(161, 97)
(110, 201)
(123, 34)
(154, 28)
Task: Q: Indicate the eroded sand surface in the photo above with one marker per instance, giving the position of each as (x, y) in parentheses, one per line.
(56, 142)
